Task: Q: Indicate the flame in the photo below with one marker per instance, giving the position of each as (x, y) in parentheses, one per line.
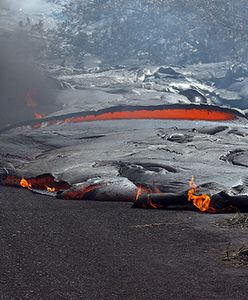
(147, 190)
(156, 190)
(203, 201)
(39, 116)
(29, 100)
(151, 204)
(81, 194)
(138, 193)
(50, 189)
(25, 184)
(31, 103)
(140, 190)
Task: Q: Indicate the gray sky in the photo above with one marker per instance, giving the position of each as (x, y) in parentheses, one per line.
(26, 5)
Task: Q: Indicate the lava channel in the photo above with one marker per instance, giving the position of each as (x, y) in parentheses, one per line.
(159, 112)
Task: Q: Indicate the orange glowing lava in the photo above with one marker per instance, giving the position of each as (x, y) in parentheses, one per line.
(138, 193)
(81, 194)
(160, 112)
(147, 190)
(50, 189)
(39, 116)
(25, 184)
(203, 201)
(176, 114)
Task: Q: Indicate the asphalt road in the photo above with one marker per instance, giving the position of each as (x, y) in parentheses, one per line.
(55, 249)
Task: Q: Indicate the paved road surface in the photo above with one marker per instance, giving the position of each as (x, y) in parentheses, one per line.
(54, 249)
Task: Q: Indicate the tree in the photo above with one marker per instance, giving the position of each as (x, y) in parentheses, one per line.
(163, 31)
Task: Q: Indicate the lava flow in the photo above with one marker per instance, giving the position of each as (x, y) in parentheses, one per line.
(25, 184)
(167, 113)
(38, 116)
(45, 182)
(156, 112)
(141, 189)
(202, 201)
(41, 184)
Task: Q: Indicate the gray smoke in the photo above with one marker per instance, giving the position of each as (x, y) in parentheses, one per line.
(20, 77)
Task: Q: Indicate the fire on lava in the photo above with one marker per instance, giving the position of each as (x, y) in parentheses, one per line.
(141, 189)
(38, 116)
(202, 201)
(29, 100)
(32, 104)
(25, 184)
(143, 196)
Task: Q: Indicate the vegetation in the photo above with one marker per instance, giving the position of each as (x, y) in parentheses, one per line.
(160, 31)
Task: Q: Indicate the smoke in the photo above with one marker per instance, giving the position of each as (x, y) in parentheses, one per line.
(24, 89)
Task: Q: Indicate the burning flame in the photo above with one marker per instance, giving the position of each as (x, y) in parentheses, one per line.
(25, 184)
(147, 190)
(138, 193)
(203, 201)
(29, 100)
(39, 116)
(50, 189)
(81, 194)
(31, 103)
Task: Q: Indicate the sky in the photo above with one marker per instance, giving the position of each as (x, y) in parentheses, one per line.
(26, 5)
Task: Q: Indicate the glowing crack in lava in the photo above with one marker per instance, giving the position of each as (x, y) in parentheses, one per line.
(45, 182)
(171, 114)
(203, 201)
(157, 112)
(26, 183)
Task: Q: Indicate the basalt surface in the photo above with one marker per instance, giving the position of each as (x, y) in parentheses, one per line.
(161, 153)
(122, 153)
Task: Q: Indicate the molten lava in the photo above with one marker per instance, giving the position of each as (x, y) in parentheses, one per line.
(25, 184)
(45, 182)
(38, 116)
(155, 112)
(141, 189)
(139, 193)
(176, 114)
(50, 189)
(203, 201)
(81, 193)
(31, 104)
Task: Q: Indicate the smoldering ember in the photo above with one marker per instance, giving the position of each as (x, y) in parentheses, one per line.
(139, 102)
